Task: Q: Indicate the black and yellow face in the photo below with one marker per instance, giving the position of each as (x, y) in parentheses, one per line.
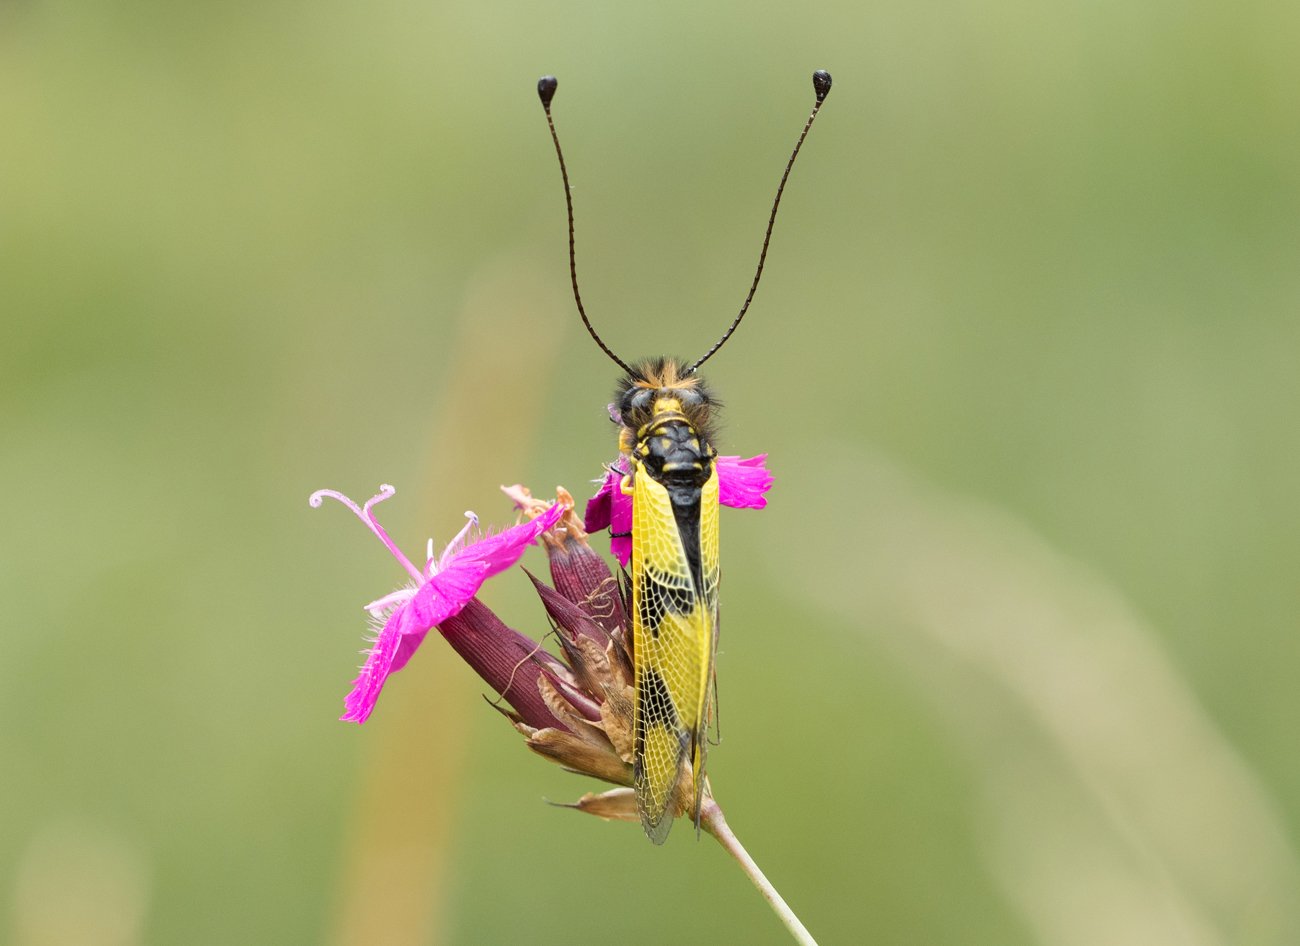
(666, 417)
(660, 393)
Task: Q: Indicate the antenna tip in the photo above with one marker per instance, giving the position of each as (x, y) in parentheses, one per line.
(547, 85)
(821, 84)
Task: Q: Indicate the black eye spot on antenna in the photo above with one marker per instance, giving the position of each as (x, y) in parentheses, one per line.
(821, 84)
(547, 85)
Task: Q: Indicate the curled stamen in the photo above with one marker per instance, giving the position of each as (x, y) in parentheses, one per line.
(385, 492)
(317, 499)
(365, 515)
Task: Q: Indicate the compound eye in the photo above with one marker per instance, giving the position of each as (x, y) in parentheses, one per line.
(634, 401)
(690, 397)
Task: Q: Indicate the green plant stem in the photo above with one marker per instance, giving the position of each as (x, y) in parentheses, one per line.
(712, 821)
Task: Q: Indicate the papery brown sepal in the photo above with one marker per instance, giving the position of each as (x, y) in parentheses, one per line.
(580, 756)
(616, 715)
(617, 804)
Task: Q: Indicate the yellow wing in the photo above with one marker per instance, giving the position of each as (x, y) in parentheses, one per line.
(711, 572)
(674, 617)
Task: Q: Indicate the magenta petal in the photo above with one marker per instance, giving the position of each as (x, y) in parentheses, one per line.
(407, 645)
(742, 483)
(598, 509)
(464, 572)
(620, 528)
(495, 553)
(368, 684)
(441, 597)
(610, 509)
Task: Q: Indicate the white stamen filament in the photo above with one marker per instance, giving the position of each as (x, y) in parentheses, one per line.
(454, 545)
(380, 605)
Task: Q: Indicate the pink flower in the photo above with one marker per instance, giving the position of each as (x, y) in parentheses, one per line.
(441, 590)
(742, 484)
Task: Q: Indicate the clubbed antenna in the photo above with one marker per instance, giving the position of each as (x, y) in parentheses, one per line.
(546, 87)
(822, 88)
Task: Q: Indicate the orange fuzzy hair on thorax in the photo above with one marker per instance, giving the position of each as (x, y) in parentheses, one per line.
(660, 388)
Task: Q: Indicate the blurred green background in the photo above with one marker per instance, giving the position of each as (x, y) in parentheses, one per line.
(1011, 657)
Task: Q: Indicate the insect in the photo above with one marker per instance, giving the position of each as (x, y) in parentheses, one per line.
(666, 440)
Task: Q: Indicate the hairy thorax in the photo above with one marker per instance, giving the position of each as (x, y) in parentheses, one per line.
(666, 428)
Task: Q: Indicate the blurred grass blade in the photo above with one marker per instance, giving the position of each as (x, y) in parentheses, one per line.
(1114, 810)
